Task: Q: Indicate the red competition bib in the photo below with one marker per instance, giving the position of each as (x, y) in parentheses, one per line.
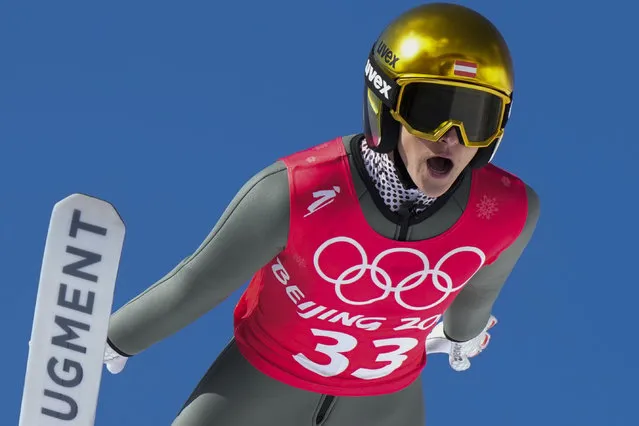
(345, 311)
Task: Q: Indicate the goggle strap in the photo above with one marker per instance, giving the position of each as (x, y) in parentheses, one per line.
(507, 112)
(380, 83)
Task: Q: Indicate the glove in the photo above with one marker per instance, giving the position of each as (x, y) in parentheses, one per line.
(113, 360)
(459, 354)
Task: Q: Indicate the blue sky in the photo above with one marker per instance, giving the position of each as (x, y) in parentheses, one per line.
(166, 108)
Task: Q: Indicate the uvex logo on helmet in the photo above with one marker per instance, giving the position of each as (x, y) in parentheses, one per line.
(376, 80)
(387, 54)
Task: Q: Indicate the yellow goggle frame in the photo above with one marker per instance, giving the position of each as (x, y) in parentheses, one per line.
(444, 127)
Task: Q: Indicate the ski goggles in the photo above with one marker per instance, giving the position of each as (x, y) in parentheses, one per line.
(429, 107)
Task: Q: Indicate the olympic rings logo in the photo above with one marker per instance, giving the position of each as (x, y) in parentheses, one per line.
(383, 280)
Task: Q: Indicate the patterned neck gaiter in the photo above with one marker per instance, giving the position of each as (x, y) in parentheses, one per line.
(382, 171)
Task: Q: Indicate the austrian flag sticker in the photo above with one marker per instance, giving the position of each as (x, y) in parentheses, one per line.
(465, 69)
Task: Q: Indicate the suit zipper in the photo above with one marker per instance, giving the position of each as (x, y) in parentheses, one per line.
(327, 402)
(406, 211)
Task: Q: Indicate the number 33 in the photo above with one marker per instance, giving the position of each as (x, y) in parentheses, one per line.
(345, 343)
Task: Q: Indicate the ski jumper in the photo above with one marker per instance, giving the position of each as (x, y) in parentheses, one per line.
(256, 230)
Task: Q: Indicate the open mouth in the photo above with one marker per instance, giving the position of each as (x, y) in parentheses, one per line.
(439, 166)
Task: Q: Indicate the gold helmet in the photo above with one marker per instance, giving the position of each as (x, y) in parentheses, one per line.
(435, 67)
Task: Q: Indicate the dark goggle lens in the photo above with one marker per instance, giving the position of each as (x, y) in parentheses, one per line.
(425, 106)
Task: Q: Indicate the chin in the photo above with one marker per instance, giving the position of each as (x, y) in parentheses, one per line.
(435, 189)
(435, 192)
